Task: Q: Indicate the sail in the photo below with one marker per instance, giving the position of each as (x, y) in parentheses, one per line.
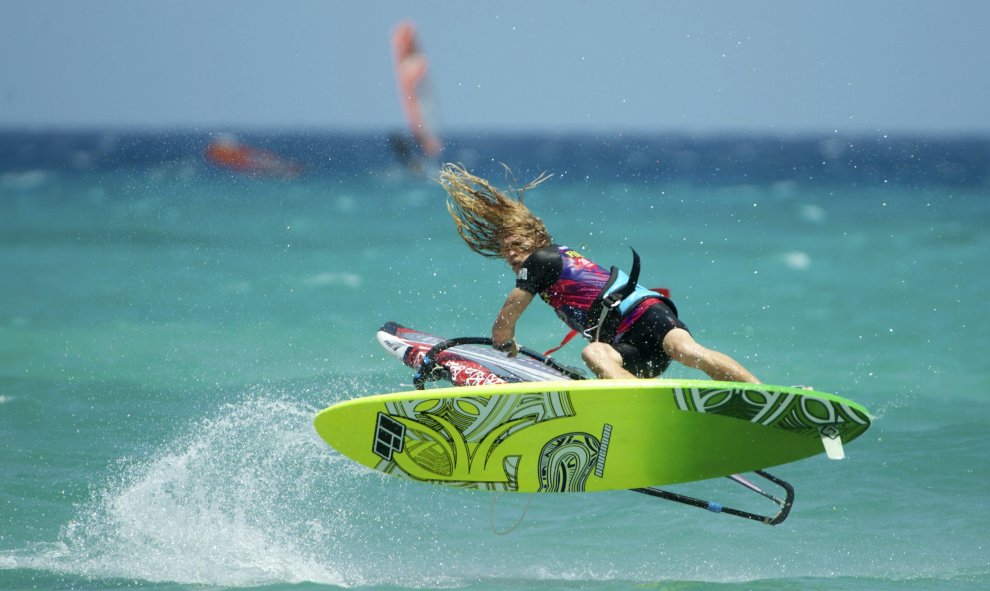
(467, 365)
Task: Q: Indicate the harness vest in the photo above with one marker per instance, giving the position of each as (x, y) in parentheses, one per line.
(592, 300)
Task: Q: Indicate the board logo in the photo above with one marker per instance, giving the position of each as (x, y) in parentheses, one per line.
(390, 436)
(603, 451)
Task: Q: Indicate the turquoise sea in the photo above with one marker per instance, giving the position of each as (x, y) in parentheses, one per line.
(168, 330)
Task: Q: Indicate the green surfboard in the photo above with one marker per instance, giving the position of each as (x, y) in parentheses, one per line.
(588, 435)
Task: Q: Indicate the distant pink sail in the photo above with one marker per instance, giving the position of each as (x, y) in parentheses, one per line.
(228, 153)
(411, 77)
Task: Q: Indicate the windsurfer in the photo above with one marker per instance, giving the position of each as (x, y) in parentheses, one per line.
(228, 153)
(411, 77)
(638, 341)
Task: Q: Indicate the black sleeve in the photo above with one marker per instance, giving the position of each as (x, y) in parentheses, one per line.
(540, 270)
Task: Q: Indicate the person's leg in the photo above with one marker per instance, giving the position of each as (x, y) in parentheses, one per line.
(681, 346)
(605, 361)
(639, 352)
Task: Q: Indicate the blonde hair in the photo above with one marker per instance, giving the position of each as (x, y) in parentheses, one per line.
(484, 215)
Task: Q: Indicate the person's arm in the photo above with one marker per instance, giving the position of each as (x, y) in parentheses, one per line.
(504, 329)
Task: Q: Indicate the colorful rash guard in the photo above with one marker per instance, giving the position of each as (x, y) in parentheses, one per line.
(570, 283)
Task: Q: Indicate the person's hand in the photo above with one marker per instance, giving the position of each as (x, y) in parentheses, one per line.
(510, 347)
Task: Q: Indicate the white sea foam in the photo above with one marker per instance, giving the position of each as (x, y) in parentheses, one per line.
(797, 260)
(239, 501)
(326, 279)
(813, 213)
(28, 179)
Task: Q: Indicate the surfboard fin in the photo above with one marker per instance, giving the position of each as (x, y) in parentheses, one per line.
(832, 443)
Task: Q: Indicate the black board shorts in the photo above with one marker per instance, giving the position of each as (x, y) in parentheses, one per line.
(641, 347)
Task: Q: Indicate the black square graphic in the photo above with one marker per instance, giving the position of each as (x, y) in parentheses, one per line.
(389, 437)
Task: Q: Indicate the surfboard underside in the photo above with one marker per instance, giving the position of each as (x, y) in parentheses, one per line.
(586, 435)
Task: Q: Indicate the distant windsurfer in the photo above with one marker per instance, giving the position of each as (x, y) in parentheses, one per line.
(634, 332)
(226, 152)
(411, 68)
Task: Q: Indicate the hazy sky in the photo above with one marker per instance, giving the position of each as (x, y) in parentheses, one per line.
(782, 66)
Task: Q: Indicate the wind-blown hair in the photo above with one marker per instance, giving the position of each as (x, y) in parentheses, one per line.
(483, 214)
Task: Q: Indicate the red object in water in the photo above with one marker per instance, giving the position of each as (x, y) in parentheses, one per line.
(232, 155)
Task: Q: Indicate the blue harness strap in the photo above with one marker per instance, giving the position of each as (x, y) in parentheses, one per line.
(618, 296)
(606, 311)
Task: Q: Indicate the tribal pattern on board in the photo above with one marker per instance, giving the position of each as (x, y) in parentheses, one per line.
(797, 413)
(464, 441)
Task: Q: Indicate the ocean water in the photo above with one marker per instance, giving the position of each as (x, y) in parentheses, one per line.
(168, 330)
